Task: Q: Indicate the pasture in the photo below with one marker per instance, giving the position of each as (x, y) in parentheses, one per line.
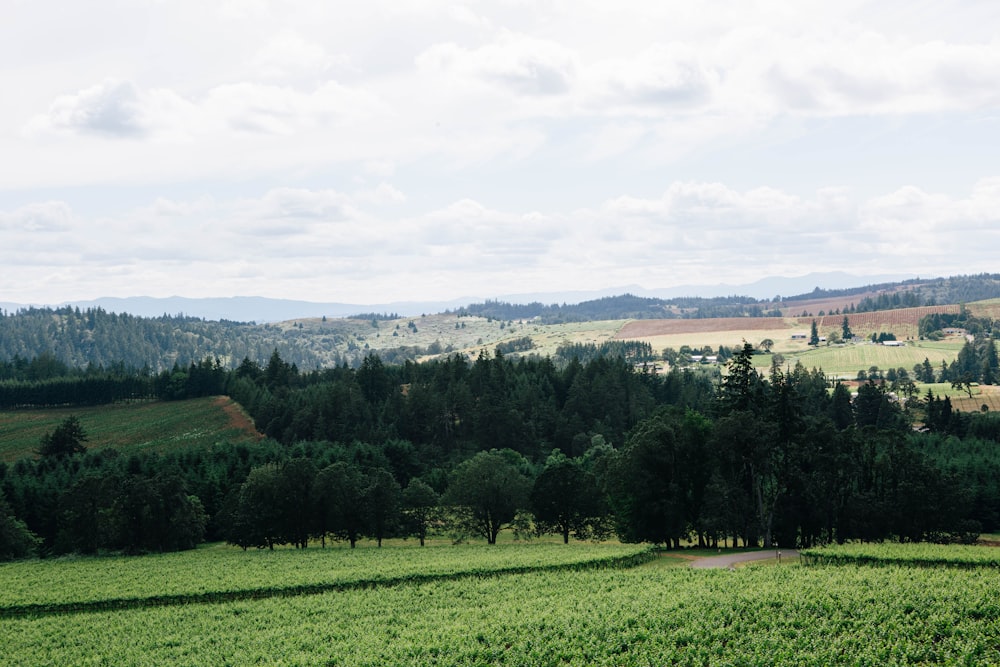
(756, 615)
(150, 426)
(844, 361)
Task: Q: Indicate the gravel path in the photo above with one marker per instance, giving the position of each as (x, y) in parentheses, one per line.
(730, 560)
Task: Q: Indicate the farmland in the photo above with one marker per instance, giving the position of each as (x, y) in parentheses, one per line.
(922, 555)
(223, 572)
(846, 360)
(732, 331)
(756, 615)
(443, 334)
(151, 426)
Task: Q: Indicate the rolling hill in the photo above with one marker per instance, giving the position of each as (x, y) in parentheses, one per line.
(138, 427)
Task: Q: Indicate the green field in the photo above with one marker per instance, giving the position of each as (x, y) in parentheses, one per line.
(925, 555)
(153, 426)
(846, 360)
(218, 571)
(646, 615)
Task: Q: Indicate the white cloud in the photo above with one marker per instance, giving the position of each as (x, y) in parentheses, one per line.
(380, 145)
(111, 108)
(41, 217)
(520, 63)
(333, 245)
(121, 109)
(289, 55)
(296, 203)
(664, 76)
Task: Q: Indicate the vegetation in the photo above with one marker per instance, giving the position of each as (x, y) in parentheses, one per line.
(752, 455)
(662, 458)
(149, 426)
(218, 573)
(755, 616)
(910, 555)
(95, 342)
(589, 442)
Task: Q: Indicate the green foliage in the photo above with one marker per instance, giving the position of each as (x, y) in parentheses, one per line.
(633, 351)
(219, 573)
(566, 499)
(101, 339)
(420, 508)
(147, 426)
(486, 491)
(645, 484)
(515, 345)
(647, 616)
(935, 323)
(918, 555)
(382, 502)
(752, 459)
(16, 541)
(339, 495)
(65, 440)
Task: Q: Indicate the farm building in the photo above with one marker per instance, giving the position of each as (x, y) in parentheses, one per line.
(704, 359)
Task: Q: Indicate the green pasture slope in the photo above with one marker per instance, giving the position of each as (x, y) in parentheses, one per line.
(755, 615)
(156, 426)
(846, 360)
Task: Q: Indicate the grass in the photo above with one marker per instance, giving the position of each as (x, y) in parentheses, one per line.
(461, 335)
(151, 426)
(846, 360)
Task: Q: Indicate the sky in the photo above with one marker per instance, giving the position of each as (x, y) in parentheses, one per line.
(381, 151)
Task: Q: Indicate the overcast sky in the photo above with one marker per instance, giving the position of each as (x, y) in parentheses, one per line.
(377, 151)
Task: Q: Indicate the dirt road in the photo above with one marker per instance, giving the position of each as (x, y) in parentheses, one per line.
(730, 560)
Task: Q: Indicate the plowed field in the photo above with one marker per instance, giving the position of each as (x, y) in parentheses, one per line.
(648, 328)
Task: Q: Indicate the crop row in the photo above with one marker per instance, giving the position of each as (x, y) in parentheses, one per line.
(224, 574)
(919, 555)
(753, 616)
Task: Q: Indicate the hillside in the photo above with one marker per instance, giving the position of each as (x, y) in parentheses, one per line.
(138, 427)
(95, 337)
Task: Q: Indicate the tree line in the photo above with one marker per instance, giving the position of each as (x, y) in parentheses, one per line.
(474, 447)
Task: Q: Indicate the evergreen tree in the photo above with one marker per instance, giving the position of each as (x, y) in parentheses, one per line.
(66, 439)
(845, 329)
(16, 541)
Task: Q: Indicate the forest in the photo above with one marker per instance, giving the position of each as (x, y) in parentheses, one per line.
(472, 447)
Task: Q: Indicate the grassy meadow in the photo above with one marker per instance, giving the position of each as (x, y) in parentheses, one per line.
(150, 426)
(846, 360)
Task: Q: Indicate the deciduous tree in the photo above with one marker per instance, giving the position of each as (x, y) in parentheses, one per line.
(565, 499)
(486, 492)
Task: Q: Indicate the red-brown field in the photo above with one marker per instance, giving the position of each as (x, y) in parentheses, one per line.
(646, 328)
(902, 321)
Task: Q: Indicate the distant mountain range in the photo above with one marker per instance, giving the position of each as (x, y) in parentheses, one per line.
(263, 309)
